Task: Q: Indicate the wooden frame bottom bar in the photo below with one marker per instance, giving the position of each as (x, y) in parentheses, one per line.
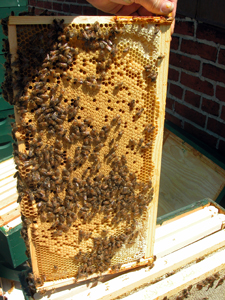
(126, 267)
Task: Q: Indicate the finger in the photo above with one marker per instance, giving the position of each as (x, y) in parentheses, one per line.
(157, 6)
(128, 10)
(123, 2)
(175, 8)
(144, 12)
(106, 6)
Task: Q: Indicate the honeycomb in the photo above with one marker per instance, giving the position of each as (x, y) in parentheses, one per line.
(87, 121)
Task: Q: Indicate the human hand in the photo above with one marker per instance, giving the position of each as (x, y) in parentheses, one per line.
(137, 7)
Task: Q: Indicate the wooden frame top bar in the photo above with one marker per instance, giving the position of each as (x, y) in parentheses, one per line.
(32, 20)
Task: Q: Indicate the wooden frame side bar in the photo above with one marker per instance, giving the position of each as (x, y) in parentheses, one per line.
(157, 155)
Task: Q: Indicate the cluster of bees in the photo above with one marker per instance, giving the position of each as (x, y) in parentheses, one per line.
(208, 282)
(45, 172)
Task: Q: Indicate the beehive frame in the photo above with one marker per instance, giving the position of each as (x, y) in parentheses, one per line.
(123, 121)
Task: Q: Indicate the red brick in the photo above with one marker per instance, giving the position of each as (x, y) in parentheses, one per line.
(169, 103)
(76, 9)
(210, 107)
(190, 114)
(220, 93)
(89, 11)
(210, 33)
(173, 119)
(39, 3)
(200, 49)
(32, 3)
(184, 27)
(176, 91)
(223, 113)
(203, 136)
(180, 16)
(66, 7)
(57, 6)
(184, 62)
(221, 58)
(197, 84)
(221, 148)
(173, 74)
(216, 127)
(174, 43)
(62, 13)
(192, 98)
(38, 11)
(213, 72)
(48, 5)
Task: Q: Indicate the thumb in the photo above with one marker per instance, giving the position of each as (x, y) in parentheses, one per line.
(157, 6)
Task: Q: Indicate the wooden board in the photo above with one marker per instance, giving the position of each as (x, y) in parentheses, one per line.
(184, 278)
(186, 175)
(9, 209)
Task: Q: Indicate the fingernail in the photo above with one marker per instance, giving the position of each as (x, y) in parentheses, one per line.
(167, 7)
(128, 1)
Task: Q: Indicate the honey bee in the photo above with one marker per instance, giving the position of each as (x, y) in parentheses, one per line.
(98, 147)
(125, 50)
(153, 75)
(88, 121)
(156, 30)
(115, 120)
(104, 232)
(96, 26)
(131, 104)
(140, 142)
(220, 282)
(55, 268)
(148, 128)
(160, 57)
(139, 113)
(62, 65)
(145, 147)
(120, 134)
(114, 51)
(132, 143)
(98, 167)
(118, 86)
(50, 216)
(102, 134)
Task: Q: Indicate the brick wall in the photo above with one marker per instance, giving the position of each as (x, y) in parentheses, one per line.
(65, 7)
(196, 85)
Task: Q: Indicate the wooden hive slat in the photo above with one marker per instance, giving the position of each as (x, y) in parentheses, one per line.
(187, 173)
(140, 41)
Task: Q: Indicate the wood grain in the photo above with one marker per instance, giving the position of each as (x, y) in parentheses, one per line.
(157, 155)
(26, 20)
(187, 176)
(9, 216)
